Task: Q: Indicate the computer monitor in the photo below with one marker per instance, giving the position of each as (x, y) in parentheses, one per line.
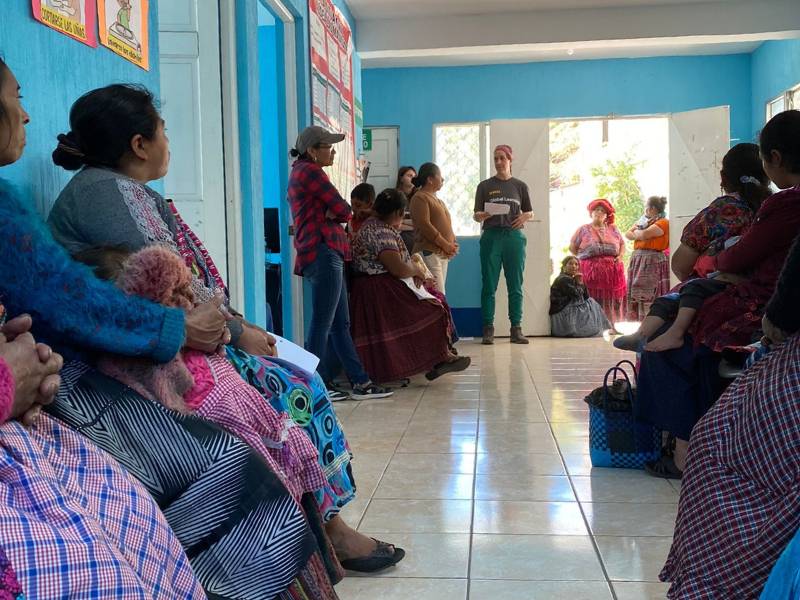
(272, 230)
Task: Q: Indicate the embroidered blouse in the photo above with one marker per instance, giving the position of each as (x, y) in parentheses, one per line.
(593, 242)
(100, 207)
(375, 237)
(725, 217)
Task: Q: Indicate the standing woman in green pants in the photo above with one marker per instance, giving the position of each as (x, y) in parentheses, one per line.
(502, 241)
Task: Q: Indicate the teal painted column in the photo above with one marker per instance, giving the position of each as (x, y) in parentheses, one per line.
(247, 76)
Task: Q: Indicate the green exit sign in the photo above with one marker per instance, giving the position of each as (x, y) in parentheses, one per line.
(366, 140)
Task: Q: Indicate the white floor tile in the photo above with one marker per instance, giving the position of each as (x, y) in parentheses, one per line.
(484, 478)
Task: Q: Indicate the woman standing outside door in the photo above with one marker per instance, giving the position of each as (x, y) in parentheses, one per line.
(502, 241)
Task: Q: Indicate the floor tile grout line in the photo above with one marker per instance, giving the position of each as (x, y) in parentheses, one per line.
(574, 490)
(474, 484)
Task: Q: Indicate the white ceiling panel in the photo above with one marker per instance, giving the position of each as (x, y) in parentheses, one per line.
(383, 9)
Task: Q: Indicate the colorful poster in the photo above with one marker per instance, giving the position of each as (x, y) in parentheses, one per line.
(332, 89)
(124, 29)
(76, 18)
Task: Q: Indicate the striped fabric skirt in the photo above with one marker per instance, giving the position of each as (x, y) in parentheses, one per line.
(244, 533)
(648, 278)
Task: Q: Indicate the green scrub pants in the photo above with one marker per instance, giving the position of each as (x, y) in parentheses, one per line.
(502, 248)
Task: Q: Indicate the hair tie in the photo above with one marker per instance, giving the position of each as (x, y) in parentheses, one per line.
(67, 143)
(749, 179)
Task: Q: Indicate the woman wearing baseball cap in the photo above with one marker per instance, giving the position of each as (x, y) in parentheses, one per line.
(319, 213)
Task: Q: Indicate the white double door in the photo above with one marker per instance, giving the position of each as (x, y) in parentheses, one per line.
(698, 141)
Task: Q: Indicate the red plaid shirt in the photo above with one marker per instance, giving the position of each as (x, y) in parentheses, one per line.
(311, 197)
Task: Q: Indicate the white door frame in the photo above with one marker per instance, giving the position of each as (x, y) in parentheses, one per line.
(230, 95)
(231, 153)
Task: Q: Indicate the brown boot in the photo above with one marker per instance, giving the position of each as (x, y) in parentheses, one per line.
(517, 337)
(488, 335)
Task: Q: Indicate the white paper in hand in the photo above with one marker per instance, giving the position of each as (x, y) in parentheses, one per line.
(420, 291)
(294, 354)
(496, 208)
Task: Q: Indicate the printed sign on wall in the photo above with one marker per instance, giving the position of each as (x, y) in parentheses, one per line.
(124, 29)
(332, 97)
(75, 18)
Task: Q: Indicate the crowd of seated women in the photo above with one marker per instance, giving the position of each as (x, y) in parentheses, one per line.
(174, 455)
(735, 445)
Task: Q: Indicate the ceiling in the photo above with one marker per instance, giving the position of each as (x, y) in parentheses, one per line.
(523, 53)
(418, 33)
(383, 9)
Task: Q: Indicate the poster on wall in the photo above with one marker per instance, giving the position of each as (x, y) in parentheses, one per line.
(332, 97)
(124, 29)
(75, 18)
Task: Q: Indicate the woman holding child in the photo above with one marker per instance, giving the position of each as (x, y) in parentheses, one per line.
(678, 384)
(648, 271)
(118, 137)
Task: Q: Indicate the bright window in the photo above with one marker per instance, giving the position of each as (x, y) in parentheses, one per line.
(778, 105)
(794, 97)
(460, 151)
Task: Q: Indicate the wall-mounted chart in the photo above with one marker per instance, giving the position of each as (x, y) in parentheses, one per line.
(332, 85)
(124, 29)
(75, 18)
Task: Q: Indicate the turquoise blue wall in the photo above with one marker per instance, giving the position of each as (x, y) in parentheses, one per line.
(775, 68)
(417, 98)
(273, 114)
(54, 71)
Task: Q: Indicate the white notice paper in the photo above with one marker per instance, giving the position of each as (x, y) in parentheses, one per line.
(496, 208)
(292, 353)
(421, 292)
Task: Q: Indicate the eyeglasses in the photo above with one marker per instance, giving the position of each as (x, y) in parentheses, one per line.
(324, 147)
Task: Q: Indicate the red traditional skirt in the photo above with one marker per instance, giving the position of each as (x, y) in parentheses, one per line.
(396, 334)
(604, 277)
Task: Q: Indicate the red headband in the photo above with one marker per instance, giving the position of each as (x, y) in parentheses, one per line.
(505, 149)
(606, 206)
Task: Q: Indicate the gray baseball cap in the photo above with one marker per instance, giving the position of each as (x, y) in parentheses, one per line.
(311, 136)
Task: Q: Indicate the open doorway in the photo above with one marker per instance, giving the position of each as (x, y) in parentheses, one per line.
(277, 61)
(624, 160)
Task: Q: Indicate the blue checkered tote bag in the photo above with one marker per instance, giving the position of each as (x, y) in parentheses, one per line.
(616, 438)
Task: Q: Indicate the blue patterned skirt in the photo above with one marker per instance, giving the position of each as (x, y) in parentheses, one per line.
(305, 399)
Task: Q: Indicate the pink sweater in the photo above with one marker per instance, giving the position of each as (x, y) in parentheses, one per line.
(7, 390)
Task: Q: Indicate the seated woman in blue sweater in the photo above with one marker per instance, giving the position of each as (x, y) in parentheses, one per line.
(190, 467)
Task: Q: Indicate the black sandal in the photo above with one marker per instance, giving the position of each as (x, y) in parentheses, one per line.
(384, 556)
(664, 468)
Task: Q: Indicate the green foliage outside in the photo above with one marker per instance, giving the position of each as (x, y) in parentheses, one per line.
(616, 182)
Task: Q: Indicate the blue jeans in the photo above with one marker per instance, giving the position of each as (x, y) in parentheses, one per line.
(330, 317)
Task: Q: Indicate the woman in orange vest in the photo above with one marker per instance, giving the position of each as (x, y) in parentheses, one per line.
(648, 272)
